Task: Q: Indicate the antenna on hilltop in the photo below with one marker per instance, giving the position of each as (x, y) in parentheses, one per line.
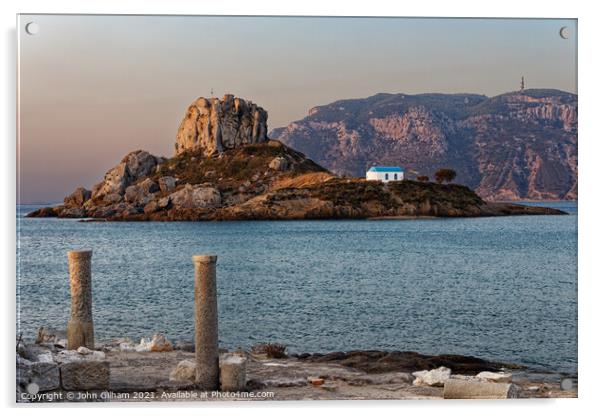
(211, 92)
(522, 83)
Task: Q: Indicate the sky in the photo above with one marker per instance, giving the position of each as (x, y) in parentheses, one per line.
(93, 88)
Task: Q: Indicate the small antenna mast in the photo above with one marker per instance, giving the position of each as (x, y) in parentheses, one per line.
(522, 83)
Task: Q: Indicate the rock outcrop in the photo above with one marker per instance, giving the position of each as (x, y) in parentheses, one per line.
(132, 167)
(519, 145)
(141, 193)
(212, 125)
(196, 196)
(78, 197)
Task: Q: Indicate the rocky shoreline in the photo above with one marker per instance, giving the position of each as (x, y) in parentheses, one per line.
(156, 370)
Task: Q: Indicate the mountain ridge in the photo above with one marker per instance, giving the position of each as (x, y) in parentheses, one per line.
(516, 145)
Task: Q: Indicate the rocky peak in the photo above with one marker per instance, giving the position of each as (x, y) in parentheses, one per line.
(212, 125)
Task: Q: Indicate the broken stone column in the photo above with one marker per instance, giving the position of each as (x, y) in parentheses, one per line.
(80, 329)
(85, 375)
(473, 389)
(233, 373)
(205, 339)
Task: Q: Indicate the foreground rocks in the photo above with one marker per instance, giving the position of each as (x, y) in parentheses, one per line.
(169, 375)
(439, 367)
(497, 377)
(45, 375)
(185, 372)
(158, 343)
(434, 378)
(50, 367)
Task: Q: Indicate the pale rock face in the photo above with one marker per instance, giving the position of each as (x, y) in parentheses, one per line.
(196, 196)
(184, 371)
(279, 163)
(45, 357)
(141, 163)
(142, 193)
(433, 378)
(133, 166)
(418, 127)
(213, 125)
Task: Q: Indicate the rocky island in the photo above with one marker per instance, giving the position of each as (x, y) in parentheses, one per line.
(226, 168)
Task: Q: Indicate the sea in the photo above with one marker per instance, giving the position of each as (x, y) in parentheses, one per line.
(501, 288)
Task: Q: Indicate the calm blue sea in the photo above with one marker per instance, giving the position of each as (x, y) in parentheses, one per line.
(497, 288)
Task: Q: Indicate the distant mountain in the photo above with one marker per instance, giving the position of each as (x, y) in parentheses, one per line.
(518, 145)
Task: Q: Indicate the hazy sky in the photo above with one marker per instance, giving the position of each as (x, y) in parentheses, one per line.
(93, 88)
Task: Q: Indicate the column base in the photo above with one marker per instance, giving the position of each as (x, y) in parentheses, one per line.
(80, 334)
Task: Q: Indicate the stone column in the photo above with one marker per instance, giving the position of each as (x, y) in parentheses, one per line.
(474, 389)
(233, 373)
(205, 339)
(80, 329)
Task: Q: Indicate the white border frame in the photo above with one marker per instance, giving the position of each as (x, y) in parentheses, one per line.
(589, 146)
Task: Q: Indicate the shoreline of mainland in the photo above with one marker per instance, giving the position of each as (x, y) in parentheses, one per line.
(162, 373)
